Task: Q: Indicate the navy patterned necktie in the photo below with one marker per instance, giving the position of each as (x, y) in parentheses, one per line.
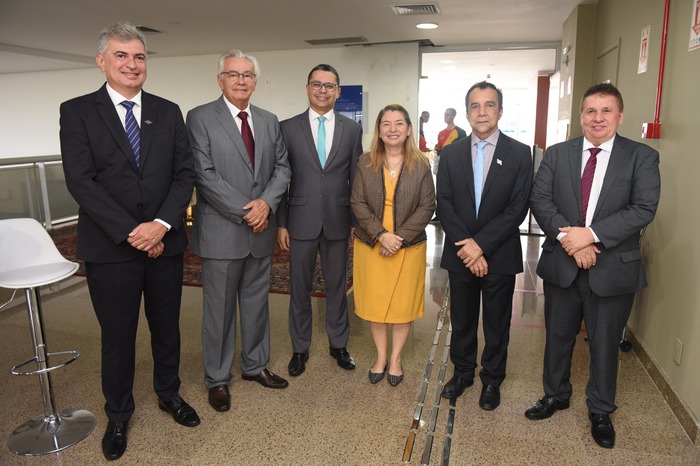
(587, 180)
(133, 132)
(247, 135)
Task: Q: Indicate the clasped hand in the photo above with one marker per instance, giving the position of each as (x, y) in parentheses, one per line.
(471, 254)
(148, 237)
(256, 218)
(391, 244)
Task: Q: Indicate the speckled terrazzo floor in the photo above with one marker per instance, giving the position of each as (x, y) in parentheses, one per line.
(329, 416)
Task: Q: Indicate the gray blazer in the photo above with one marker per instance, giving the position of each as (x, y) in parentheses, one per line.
(319, 198)
(627, 203)
(226, 180)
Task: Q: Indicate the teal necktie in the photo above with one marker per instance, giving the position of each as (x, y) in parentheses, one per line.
(479, 173)
(321, 146)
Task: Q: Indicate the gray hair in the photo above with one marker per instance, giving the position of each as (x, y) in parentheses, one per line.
(122, 32)
(235, 53)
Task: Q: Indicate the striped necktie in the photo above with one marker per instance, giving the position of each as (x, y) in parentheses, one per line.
(133, 132)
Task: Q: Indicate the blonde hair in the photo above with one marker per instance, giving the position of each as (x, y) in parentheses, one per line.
(411, 152)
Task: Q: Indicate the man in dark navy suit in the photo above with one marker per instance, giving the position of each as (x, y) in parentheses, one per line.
(128, 164)
(483, 184)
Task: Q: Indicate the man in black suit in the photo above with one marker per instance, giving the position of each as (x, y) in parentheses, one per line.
(315, 217)
(132, 190)
(483, 184)
(592, 197)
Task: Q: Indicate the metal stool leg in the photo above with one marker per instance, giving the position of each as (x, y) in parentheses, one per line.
(54, 431)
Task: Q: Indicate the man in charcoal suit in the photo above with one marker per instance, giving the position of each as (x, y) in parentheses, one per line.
(242, 173)
(128, 165)
(323, 147)
(592, 197)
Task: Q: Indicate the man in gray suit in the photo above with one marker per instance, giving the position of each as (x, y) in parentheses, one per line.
(592, 196)
(324, 147)
(242, 172)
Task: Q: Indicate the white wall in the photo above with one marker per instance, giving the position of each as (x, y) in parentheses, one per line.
(30, 101)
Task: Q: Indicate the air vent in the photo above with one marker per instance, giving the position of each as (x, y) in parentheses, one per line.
(419, 9)
(148, 31)
(337, 41)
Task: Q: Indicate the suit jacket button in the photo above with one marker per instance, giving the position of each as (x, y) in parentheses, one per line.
(139, 206)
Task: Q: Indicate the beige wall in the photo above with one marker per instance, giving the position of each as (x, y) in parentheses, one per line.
(29, 120)
(670, 307)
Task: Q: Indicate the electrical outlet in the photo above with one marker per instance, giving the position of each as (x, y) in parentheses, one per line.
(678, 351)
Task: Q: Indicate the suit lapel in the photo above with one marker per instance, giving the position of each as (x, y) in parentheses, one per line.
(337, 134)
(229, 124)
(500, 157)
(617, 156)
(305, 127)
(259, 127)
(574, 159)
(105, 107)
(149, 112)
(465, 160)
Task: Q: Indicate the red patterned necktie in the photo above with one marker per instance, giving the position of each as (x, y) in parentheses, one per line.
(587, 180)
(247, 135)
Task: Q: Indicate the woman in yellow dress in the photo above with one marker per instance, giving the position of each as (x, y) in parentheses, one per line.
(393, 199)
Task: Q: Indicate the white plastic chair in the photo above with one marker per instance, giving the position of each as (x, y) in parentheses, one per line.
(28, 260)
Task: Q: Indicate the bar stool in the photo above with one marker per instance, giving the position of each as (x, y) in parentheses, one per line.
(28, 260)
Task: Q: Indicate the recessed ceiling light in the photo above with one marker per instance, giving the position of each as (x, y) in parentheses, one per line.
(427, 26)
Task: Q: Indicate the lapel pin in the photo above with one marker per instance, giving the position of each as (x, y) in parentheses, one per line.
(148, 122)
(498, 161)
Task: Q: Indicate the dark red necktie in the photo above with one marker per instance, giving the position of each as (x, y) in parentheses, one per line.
(247, 135)
(587, 180)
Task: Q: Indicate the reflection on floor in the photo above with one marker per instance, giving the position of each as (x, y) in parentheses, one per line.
(333, 417)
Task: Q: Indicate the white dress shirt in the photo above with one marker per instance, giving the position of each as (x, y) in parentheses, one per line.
(329, 125)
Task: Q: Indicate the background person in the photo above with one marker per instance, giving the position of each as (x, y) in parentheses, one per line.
(128, 165)
(591, 262)
(314, 217)
(393, 198)
(242, 173)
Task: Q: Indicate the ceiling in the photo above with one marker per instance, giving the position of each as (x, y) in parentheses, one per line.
(44, 35)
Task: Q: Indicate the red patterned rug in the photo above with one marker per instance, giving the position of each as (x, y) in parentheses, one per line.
(66, 239)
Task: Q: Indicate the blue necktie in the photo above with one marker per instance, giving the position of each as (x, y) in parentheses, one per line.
(321, 146)
(133, 132)
(479, 173)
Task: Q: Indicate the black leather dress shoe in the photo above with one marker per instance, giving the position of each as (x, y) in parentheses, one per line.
(219, 398)
(456, 386)
(267, 379)
(114, 440)
(490, 397)
(602, 430)
(183, 413)
(297, 365)
(545, 407)
(343, 357)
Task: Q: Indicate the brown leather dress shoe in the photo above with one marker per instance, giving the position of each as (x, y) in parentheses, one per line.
(219, 398)
(267, 379)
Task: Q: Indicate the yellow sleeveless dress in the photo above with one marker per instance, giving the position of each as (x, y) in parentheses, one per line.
(389, 289)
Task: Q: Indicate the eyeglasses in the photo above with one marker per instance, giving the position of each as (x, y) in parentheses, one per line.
(234, 75)
(317, 85)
